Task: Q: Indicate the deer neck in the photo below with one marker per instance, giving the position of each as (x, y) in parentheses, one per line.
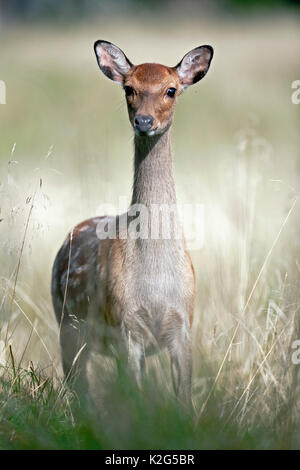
(153, 173)
(154, 192)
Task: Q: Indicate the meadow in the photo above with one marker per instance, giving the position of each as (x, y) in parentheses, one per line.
(66, 149)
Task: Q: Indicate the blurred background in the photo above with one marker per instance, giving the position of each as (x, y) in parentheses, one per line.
(66, 148)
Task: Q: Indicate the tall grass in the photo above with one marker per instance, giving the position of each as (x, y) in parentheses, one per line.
(65, 149)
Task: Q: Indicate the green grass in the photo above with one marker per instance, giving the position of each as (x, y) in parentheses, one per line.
(66, 147)
(36, 414)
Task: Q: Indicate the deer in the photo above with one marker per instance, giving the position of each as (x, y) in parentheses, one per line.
(134, 296)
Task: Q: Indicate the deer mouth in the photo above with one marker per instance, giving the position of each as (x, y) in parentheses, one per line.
(150, 133)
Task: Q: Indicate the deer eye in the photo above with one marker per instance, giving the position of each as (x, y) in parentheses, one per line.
(171, 92)
(128, 90)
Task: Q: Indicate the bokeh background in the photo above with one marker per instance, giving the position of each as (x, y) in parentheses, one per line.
(66, 149)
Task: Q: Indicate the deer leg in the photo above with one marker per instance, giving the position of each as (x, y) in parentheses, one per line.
(75, 353)
(181, 368)
(134, 355)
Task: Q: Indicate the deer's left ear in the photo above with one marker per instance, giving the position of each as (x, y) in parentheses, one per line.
(194, 65)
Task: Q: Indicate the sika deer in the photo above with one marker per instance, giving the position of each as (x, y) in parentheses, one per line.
(134, 294)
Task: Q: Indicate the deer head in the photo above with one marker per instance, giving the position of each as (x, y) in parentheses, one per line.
(151, 89)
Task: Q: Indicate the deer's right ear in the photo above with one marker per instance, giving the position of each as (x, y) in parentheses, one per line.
(112, 61)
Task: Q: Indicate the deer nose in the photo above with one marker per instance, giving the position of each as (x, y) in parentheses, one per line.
(143, 123)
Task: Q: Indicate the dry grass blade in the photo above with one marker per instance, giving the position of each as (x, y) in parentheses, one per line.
(67, 282)
(18, 265)
(256, 372)
(247, 303)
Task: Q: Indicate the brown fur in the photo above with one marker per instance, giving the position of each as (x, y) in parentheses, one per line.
(158, 79)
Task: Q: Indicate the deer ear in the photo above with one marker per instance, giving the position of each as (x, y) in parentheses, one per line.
(112, 61)
(194, 65)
